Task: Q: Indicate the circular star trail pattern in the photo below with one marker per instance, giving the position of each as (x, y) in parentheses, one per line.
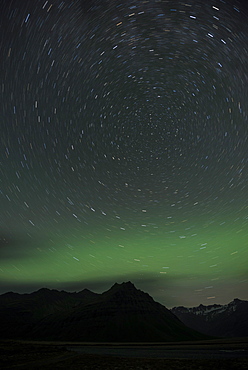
(124, 147)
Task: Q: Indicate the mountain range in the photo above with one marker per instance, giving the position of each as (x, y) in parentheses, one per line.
(229, 320)
(121, 314)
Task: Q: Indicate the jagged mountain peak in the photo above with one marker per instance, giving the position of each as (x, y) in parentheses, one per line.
(236, 301)
(45, 291)
(217, 320)
(128, 290)
(124, 286)
(86, 293)
(8, 294)
(122, 314)
(85, 290)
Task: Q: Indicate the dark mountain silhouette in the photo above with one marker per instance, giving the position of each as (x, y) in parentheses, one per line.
(121, 314)
(230, 320)
(21, 312)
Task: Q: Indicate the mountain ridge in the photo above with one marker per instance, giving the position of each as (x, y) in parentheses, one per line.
(121, 314)
(228, 320)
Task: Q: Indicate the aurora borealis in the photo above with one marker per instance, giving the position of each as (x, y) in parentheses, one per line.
(124, 152)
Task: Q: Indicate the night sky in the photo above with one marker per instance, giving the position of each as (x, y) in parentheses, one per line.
(124, 151)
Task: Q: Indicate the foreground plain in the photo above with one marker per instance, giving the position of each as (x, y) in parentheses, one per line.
(45, 355)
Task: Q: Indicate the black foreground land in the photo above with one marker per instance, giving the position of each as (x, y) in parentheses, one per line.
(55, 355)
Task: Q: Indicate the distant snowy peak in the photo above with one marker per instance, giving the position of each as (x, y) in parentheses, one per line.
(229, 320)
(214, 309)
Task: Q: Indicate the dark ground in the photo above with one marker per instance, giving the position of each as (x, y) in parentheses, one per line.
(37, 355)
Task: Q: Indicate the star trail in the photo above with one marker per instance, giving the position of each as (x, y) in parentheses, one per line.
(124, 149)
